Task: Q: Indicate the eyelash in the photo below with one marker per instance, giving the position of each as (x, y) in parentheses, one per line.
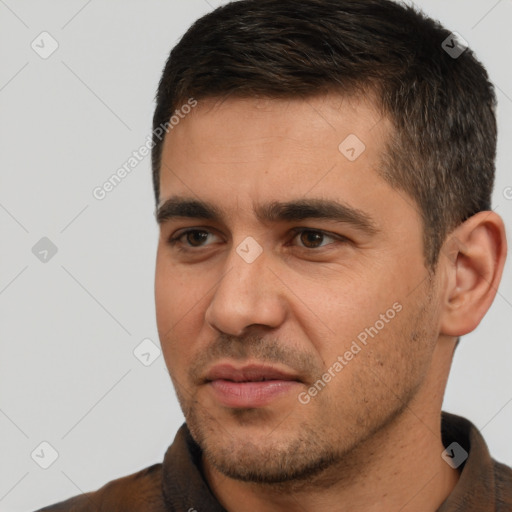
(176, 239)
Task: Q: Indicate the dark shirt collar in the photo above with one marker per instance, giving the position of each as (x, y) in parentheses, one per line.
(184, 485)
(484, 485)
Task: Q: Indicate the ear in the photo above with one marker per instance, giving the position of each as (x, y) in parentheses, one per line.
(473, 257)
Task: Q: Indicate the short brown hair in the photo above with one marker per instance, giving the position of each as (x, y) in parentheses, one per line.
(442, 150)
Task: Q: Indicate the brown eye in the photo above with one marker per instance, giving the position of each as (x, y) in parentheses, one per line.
(196, 238)
(316, 238)
(192, 238)
(311, 239)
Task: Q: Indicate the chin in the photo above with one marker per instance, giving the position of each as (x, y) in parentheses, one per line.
(262, 453)
(269, 466)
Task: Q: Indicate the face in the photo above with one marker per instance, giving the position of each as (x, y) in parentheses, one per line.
(293, 305)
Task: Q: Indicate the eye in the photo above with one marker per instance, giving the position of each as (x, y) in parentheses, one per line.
(191, 238)
(314, 238)
(309, 238)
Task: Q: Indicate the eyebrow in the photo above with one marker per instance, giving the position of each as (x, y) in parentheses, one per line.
(275, 211)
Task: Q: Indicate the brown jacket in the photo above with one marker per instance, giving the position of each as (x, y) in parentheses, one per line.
(177, 484)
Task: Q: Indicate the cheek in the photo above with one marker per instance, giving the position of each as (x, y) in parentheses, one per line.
(167, 289)
(363, 319)
(180, 299)
(175, 289)
(170, 305)
(344, 306)
(380, 366)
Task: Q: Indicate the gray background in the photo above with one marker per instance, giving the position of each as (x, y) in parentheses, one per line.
(69, 325)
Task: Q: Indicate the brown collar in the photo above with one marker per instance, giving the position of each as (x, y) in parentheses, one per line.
(484, 484)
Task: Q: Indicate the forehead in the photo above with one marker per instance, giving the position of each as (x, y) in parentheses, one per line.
(327, 118)
(240, 152)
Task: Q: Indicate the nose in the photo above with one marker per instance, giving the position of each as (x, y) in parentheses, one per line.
(248, 294)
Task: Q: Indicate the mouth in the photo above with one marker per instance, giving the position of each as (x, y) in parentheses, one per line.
(249, 387)
(249, 373)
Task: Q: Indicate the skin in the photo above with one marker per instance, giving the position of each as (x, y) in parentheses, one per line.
(370, 439)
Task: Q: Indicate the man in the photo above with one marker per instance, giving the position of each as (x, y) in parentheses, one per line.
(323, 195)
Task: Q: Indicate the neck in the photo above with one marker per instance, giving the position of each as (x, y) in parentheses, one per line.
(397, 468)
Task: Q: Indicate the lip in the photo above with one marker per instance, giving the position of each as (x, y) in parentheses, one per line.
(248, 373)
(250, 386)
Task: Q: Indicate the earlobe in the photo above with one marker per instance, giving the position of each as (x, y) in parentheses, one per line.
(474, 256)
